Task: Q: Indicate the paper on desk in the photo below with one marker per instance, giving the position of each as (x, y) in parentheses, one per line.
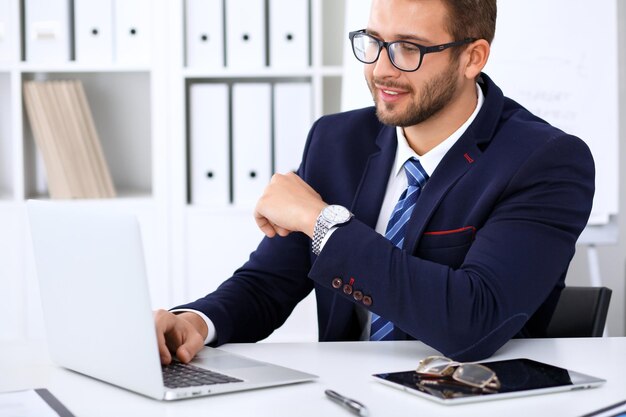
(25, 404)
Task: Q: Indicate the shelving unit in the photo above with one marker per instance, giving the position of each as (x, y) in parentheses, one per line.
(209, 243)
(129, 105)
(141, 115)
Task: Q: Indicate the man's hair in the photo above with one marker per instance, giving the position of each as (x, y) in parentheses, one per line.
(471, 19)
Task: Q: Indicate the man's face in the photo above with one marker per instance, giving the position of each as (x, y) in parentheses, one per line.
(409, 98)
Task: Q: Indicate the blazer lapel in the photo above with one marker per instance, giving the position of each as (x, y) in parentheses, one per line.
(371, 190)
(453, 166)
(457, 161)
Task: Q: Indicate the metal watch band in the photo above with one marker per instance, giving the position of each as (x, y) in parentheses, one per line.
(332, 215)
(319, 231)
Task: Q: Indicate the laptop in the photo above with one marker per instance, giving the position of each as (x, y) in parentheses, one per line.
(97, 312)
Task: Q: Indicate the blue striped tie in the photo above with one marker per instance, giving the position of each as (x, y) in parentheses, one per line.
(382, 329)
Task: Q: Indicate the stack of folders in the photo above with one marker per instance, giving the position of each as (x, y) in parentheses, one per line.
(9, 31)
(65, 134)
(266, 133)
(87, 31)
(244, 34)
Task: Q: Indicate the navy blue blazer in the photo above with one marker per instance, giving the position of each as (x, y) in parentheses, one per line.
(486, 250)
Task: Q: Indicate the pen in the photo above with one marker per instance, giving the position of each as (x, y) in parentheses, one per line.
(352, 405)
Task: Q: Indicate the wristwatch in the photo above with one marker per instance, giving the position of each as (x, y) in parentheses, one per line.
(330, 216)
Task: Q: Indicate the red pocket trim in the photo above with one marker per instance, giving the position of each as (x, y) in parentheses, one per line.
(448, 232)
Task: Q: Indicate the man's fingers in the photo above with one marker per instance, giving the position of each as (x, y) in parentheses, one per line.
(163, 321)
(192, 345)
(176, 335)
(281, 230)
(164, 353)
(264, 224)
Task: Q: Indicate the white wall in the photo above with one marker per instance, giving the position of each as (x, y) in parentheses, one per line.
(612, 257)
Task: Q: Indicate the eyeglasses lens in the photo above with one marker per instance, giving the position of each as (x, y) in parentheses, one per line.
(474, 375)
(365, 48)
(404, 55)
(435, 365)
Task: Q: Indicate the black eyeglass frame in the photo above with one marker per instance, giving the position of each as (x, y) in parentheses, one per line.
(423, 49)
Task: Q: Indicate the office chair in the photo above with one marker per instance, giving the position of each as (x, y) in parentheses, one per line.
(580, 312)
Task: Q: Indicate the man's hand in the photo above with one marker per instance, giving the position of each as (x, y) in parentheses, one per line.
(182, 334)
(287, 205)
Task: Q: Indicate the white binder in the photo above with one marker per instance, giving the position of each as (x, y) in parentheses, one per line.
(93, 31)
(292, 121)
(47, 31)
(209, 144)
(9, 31)
(205, 33)
(289, 33)
(252, 132)
(245, 34)
(354, 91)
(133, 31)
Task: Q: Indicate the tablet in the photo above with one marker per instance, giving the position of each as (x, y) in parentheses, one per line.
(518, 377)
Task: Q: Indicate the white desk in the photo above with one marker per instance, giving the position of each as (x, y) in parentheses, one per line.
(344, 367)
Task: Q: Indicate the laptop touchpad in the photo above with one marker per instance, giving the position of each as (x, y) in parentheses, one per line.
(216, 359)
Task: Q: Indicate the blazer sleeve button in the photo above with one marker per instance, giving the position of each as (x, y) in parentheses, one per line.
(337, 282)
(357, 295)
(367, 300)
(347, 289)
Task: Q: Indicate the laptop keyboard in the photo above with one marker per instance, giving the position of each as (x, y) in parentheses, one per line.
(180, 375)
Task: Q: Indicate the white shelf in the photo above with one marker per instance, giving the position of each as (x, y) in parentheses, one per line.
(329, 71)
(123, 198)
(6, 197)
(263, 73)
(73, 67)
(196, 210)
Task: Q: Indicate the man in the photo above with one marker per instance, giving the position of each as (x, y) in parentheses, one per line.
(448, 214)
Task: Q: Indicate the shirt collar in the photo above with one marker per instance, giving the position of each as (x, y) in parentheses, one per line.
(431, 159)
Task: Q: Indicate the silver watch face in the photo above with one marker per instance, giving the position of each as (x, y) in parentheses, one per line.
(336, 214)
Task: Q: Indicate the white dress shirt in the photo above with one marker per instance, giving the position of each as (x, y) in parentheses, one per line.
(398, 182)
(395, 187)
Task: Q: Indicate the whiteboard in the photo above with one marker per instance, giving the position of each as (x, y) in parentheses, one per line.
(562, 66)
(559, 59)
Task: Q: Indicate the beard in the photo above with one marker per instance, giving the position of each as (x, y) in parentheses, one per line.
(435, 95)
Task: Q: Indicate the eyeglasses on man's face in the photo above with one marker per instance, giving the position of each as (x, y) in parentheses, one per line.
(404, 55)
